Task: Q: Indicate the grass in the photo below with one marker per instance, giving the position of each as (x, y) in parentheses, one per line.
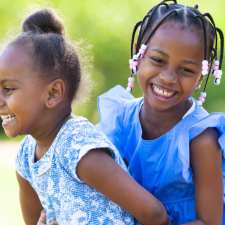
(10, 213)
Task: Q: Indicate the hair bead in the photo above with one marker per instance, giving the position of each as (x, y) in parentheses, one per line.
(202, 98)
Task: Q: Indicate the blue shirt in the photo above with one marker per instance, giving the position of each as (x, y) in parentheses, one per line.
(160, 165)
(66, 198)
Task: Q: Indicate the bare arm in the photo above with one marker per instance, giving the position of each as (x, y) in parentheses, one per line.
(207, 169)
(100, 171)
(29, 201)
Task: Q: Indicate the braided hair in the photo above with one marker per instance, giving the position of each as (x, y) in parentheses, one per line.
(170, 10)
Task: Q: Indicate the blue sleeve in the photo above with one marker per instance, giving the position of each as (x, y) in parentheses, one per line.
(111, 106)
(82, 140)
(213, 120)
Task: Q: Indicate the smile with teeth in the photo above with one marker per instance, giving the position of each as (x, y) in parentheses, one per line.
(162, 91)
(7, 118)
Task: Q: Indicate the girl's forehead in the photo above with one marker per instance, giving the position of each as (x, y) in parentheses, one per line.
(176, 32)
(176, 40)
(15, 63)
(14, 54)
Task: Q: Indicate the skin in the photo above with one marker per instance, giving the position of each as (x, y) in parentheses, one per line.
(173, 70)
(26, 96)
(173, 65)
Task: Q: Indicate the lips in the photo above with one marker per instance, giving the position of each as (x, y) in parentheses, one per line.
(163, 92)
(7, 119)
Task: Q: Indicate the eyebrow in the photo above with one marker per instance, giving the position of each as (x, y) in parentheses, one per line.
(158, 50)
(189, 61)
(7, 80)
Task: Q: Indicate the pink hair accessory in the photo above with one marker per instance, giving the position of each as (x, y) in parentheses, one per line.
(205, 67)
(135, 60)
(216, 64)
(217, 73)
(130, 84)
(142, 51)
(202, 98)
(134, 63)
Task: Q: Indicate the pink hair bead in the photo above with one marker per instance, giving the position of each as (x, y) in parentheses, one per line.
(134, 63)
(216, 63)
(217, 74)
(205, 67)
(130, 84)
(142, 50)
(202, 98)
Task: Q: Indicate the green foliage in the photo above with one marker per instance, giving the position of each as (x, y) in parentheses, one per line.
(106, 26)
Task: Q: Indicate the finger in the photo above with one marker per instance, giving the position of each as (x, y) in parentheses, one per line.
(42, 218)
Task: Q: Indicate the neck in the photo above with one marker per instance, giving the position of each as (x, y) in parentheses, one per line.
(155, 123)
(45, 138)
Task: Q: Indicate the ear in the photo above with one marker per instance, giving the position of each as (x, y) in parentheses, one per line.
(55, 93)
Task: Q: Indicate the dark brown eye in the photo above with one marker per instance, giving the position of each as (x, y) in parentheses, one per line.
(156, 60)
(187, 71)
(8, 90)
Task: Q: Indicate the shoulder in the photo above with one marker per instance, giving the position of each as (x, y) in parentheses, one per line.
(116, 100)
(80, 135)
(75, 128)
(25, 147)
(207, 139)
(76, 139)
(116, 107)
(209, 131)
(215, 121)
(23, 157)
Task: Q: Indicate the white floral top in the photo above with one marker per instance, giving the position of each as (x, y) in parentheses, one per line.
(67, 199)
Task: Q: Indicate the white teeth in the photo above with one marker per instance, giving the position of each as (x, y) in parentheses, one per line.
(160, 91)
(7, 118)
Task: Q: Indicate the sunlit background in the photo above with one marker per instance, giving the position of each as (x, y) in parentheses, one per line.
(103, 28)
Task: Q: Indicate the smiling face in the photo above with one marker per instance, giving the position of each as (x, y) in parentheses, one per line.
(21, 93)
(171, 68)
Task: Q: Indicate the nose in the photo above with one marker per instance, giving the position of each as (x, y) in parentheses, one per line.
(168, 76)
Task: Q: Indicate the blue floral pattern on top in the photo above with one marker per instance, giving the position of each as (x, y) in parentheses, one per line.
(67, 199)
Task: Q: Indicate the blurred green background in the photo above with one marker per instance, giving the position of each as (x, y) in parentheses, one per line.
(104, 29)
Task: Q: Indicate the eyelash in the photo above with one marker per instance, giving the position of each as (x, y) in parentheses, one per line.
(156, 60)
(187, 71)
(8, 90)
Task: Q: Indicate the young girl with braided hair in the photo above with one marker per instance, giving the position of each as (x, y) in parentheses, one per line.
(173, 147)
(64, 164)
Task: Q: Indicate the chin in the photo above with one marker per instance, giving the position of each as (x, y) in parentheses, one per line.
(160, 106)
(11, 134)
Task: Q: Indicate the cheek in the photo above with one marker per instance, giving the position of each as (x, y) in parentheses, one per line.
(18, 106)
(190, 85)
(141, 78)
(144, 72)
(12, 103)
